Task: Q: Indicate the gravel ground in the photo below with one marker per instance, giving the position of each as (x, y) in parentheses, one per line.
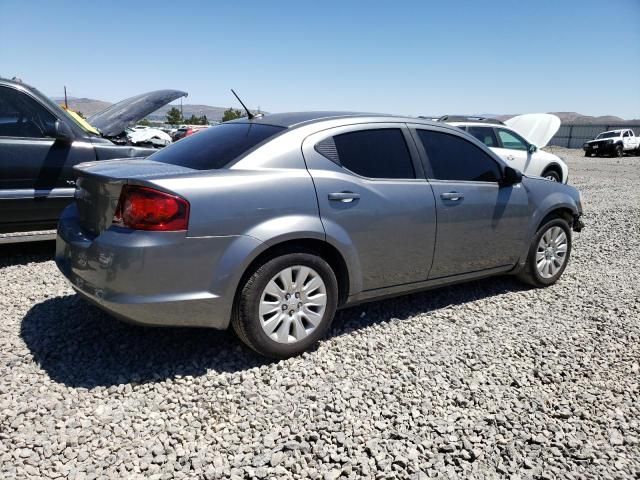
(484, 380)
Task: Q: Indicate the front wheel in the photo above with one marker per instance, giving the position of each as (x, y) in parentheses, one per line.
(286, 305)
(549, 254)
(551, 175)
(619, 151)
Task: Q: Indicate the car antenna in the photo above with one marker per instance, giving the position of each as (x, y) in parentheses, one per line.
(250, 115)
(66, 105)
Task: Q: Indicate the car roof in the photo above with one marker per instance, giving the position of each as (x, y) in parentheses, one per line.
(296, 119)
(478, 124)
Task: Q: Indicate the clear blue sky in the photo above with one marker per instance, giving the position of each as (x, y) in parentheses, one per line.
(422, 57)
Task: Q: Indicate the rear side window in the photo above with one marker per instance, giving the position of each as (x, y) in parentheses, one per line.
(378, 153)
(485, 134)
(215, 147)
(454, 158)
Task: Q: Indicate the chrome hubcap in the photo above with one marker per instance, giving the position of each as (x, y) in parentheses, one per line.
(292, 304)
(552, 252)
(551, 178)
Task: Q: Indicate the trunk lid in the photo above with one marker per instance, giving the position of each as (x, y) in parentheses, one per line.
(115, 119)
(99, 184)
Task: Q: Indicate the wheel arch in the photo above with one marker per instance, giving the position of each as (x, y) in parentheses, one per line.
(556, 167)
(321, 248)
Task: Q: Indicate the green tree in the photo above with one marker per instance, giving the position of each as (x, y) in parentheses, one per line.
(144, 122)
(205, 120)
(231, 114)
(174, 117)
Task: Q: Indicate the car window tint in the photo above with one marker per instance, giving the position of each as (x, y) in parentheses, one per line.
(379, 153)
(215, 147)
(454, 158)
(21, 116)
(485, 134)
(511, 140)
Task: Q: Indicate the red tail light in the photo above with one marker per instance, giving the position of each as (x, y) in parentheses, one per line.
(143, 208)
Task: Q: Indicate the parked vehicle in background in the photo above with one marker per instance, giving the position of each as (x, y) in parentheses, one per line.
(148, 136)
(188, 130)
(613, 142)
(269, 224)
(518, 141)
(40, 143)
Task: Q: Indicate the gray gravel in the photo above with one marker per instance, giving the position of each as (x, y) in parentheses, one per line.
(485, 380)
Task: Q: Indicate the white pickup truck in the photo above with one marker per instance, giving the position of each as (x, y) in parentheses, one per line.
(613, 142)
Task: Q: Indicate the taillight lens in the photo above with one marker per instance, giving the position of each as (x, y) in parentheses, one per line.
(143, 208)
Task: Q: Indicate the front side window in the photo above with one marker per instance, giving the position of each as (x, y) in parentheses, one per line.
(21, 116)
(454, 158)
(215, 147)
(511, 140)
(379, 153)
(485, 134)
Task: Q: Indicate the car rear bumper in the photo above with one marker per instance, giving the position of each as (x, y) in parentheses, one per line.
(153, 278)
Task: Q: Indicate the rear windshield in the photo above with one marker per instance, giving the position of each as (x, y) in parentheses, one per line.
(215, 147)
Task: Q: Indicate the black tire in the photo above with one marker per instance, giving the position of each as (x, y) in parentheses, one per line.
(246, 319)
(551, 175)
(587, 154)
(530, 273)
(619, 151)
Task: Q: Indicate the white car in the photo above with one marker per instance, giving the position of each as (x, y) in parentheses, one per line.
(518, 141)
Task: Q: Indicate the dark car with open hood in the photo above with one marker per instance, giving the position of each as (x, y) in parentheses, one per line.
(41, 142)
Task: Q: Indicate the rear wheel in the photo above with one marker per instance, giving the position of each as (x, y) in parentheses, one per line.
(587, 154)
(286, 305)
(549, 254)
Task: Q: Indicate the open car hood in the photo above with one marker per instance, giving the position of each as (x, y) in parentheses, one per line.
(115, 119)
(537, 128)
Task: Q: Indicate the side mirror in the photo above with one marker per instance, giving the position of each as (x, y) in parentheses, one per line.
(511, 176)
(59, 130)
(532, 148)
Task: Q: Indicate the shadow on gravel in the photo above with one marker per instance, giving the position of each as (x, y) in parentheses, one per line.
(27, 252)
(80, 346)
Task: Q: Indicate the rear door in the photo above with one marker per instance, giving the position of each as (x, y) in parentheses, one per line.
(374, 199)
(481, 224)
(36, 180)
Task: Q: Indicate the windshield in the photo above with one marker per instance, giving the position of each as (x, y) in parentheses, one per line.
(608, 135)
(215, 147)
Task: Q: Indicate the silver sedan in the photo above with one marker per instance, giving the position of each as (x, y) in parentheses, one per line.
(270, 224)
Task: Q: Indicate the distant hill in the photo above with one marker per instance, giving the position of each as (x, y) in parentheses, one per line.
(574, 117)
(86, 106)
(89, 106)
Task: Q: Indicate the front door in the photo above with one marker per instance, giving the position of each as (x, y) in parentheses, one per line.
(513, 149)
(36, 180)
(374, 200)
(481, 224)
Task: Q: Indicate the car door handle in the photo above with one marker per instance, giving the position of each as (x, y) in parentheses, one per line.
(510, 157)
(345, 197)
(453, 196)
